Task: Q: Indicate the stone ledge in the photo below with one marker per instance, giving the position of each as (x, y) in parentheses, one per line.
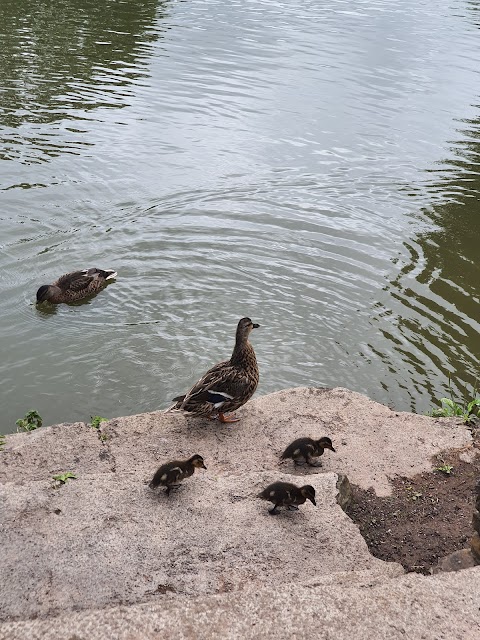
(364, 608)
(105, 540)
(108, 539)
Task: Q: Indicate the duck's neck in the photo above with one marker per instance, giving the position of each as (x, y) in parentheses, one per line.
(243, 352)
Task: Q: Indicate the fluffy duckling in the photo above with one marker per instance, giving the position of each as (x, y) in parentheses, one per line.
(284, 494)
(171, 474)
(306, 448)
(227, 385)
(75, 286)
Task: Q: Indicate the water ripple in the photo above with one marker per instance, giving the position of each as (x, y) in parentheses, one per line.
(312, 165)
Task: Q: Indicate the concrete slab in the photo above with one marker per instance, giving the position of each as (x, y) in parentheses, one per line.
(373, 442)
(107, 539)
(45, 452)
(209, 561)
(365, 608)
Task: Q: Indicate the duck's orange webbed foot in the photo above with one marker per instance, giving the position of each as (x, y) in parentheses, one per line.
(223, 418)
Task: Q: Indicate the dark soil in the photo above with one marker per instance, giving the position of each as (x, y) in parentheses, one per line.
(427, 516)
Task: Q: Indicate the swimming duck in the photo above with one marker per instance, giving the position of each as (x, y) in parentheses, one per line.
(227, 385)
(306, 449)
(75, 286)
(170, 474)
(284, 494)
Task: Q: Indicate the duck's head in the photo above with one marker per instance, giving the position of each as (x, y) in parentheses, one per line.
(244, 327)
(197, 461)
(44, 293)
(326, 443)
(308, 492)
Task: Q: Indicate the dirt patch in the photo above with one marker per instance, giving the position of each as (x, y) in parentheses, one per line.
(427, 516)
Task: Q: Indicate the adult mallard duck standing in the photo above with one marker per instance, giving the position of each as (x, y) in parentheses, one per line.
(75, 286)
(227, 385)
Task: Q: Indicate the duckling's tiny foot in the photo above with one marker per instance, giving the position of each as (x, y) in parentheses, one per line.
(169, 488)
(224, 418)
(314, 464)
(274, 511)
(292, 507)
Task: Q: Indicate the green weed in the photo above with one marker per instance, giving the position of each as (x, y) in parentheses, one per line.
(31, 421)
(63, 477)
(445, 468)
(96, 421)
(468, 410)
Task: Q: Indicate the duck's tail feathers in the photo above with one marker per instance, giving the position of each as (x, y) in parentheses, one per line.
(111, 274)
(170, 408)
(173, 407)
(178, 403)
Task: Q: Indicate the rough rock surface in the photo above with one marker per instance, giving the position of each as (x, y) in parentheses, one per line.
(350, 607)
(456, 561)
(109, 539)
(105, 540)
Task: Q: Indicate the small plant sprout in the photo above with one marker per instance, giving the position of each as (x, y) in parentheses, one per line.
(414, 495)
(468, 411)
(62, 478)
(445, 468)
(96, 421)
(449, 409)
(31, 421)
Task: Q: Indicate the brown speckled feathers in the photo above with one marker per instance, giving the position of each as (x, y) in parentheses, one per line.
(75, 286)
(227, 385)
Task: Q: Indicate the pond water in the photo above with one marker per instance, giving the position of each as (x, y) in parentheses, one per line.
(313, 165)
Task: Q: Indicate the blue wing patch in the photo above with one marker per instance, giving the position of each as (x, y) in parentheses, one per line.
(216, 398)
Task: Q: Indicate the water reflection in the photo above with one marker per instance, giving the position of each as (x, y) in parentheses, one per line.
(63, 60)
(439, 330)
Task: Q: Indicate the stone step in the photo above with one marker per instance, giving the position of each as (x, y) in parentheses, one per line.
(361, 608)
(108, 539)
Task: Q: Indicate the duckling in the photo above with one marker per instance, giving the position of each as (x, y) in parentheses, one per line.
(227, 385)
(171, 474)
(284, 494)
(306, 449)
(75, 286)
